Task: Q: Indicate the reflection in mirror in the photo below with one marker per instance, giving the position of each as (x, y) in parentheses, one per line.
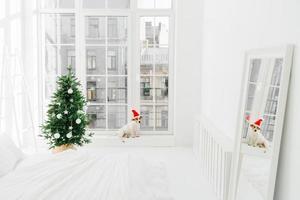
(261, 122)
(260, 119)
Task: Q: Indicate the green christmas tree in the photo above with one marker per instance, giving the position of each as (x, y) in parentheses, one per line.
(66, 119)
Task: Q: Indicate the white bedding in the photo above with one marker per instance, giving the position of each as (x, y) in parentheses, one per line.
(84, 175)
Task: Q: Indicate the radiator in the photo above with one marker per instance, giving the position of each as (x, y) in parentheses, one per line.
(213, 149)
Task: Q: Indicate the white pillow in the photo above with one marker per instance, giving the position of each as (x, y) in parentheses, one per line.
(10, 155)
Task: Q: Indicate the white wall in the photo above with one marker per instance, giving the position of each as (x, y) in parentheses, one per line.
(230, 28)
(188, 53)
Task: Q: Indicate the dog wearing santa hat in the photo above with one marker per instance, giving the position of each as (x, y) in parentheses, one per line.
(255, 138)
(132, 128)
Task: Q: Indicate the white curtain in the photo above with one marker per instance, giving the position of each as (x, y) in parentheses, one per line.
(18, 73)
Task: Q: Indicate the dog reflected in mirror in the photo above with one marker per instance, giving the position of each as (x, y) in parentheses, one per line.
(255, 137)
(132, 129)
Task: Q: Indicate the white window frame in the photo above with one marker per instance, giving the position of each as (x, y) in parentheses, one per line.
(133, 15)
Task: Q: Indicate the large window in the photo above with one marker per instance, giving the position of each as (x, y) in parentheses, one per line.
(98, 38)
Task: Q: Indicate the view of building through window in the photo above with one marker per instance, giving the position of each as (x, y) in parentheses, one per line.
(154, 68)
(108, 75)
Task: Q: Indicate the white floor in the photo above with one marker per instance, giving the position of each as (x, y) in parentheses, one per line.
(186, 181)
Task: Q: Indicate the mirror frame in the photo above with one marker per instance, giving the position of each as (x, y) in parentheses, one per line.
(286, 53)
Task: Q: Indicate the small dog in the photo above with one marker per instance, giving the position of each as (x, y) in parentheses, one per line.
(255, 138)
(132, 128)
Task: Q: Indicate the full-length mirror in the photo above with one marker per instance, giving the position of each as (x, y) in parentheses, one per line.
(260, 123)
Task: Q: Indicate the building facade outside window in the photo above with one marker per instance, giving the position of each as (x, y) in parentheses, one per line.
(121, 52)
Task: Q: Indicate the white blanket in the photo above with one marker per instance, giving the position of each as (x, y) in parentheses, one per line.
(75, 175)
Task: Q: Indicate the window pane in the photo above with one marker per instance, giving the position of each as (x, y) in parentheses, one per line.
(159, 4)
(251, 95)
(67, 58)
(117, 60)
(146, 89)
(97, 117)
(95, 60)
(117, 90)
(145, 3)
(118, 3)
(117, 30)
(162, 60)
(94, 3)
(147, 122)
(276, 75)
(147, 60)
(95, 31)
(57, 59)
(58, 4)
(272, 101)
(161, 118)
(161, 86)
(163, 4)
(268, 127)
(117, 116)
(96, 89)
(154, 30)
(147, 31)
(161, 29)
(60, 29)
(255, 67)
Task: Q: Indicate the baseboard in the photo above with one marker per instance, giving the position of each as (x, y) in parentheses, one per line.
(144, 140)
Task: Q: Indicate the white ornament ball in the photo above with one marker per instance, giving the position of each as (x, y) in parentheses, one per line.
(71, 100)
(58, 116)
(78, 121)
(70, 127)
(66, 112)
(69, 135)
(56, 135)
(70, 91)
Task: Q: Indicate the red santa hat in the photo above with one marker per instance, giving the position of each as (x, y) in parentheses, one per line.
(135, 113)
(258, 122)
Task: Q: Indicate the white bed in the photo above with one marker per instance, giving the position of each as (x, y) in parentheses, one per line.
(85, 175)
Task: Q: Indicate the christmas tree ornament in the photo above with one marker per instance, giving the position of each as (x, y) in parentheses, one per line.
(70, 91)
(78, 121)
(69, 135)
(59, 116)
(59, 136)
